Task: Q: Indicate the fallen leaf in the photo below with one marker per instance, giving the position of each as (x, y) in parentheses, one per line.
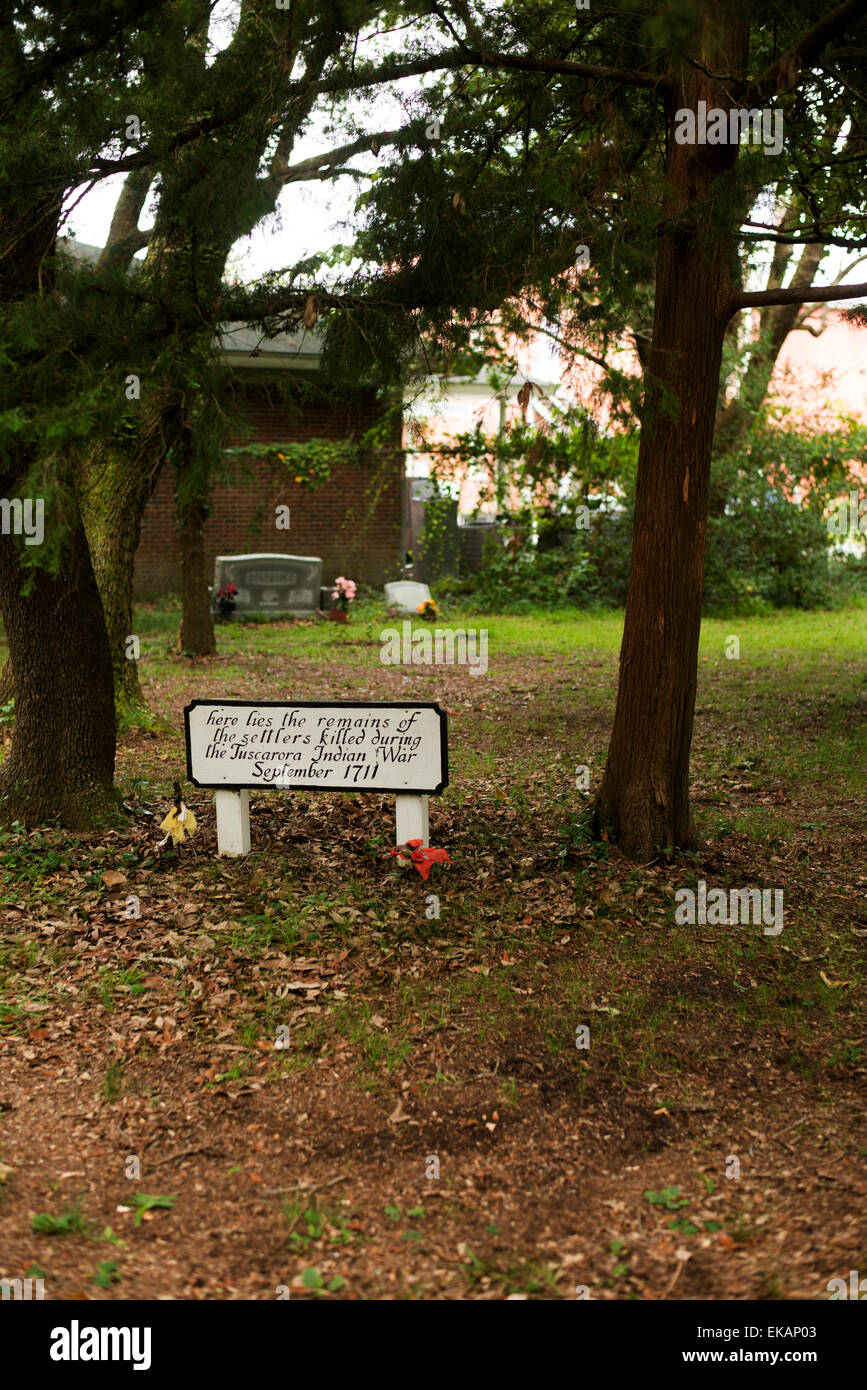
(832, 984)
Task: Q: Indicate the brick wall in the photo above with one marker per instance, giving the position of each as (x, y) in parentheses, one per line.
(352, 521)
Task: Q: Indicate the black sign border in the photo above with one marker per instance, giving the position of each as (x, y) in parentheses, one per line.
(324, 704)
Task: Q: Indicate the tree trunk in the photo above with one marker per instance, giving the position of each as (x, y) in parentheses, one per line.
(197, 623)
(7, 683)
(111, 510)
(61, 763)
(644, 797)
(115, 487)
(124, 237)
(60, 766)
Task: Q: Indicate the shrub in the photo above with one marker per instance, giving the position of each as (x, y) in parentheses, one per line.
(519, 582)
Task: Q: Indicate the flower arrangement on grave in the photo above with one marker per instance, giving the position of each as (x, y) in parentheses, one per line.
(343, 593)
(422, 856)
(226, 600)
(428, 610)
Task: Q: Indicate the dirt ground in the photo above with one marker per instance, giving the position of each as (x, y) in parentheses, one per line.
(337, 1094)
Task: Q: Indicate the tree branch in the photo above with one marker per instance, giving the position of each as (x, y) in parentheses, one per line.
(525, 63)
(810, 237)
(783, 74)
(148, 156)
(325, 166)
(124, 236)
(89, 32)
(389, 70)
(810, 294)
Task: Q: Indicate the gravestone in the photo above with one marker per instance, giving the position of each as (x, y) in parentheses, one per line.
(236, 745)
(405, 595)
(270, 584)
(478, 542)
(432, 531)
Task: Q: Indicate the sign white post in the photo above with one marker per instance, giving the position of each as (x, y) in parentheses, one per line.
(233, 822)
(412, 817)
(237, 745)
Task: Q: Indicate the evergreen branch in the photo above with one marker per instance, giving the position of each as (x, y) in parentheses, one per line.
(149, 155)
(463, 10)
(783, 75)
(325, 166)
(807, 238)
(560, 67)
(810, 294)
(124, 237)
(390, 70)
(71, 45)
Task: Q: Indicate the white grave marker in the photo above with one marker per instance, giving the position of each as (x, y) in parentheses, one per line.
(405, 595)
(236, 745)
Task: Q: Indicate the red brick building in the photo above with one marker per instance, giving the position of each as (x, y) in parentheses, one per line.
(352, 521)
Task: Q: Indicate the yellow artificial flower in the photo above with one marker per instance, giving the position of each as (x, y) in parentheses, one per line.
(179, 826)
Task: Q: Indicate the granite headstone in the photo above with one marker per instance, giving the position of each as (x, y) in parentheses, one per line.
(271, 584)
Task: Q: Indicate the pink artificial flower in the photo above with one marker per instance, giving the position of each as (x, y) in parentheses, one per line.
(344, 588)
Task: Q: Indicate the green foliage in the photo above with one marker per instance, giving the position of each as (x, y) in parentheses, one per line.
(847, 577)
(70, 1222)
(313, 1280)
(765, 548)
(518, 583)
(106, 1275)
(527, 471)
(765, 552)
(668, 1197)
(145, 1203)
(310, 462)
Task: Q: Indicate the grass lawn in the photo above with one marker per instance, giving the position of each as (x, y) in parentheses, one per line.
(428, 1127)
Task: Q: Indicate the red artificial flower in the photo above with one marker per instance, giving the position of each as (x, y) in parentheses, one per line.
(421, 856)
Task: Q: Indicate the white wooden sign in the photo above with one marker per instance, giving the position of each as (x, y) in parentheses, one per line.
(237, 745)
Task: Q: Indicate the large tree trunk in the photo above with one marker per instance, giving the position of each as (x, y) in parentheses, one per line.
(644, 797)
(115, 487)
(7, 683)
(111, 510)
(61, 763)
(197, 623)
